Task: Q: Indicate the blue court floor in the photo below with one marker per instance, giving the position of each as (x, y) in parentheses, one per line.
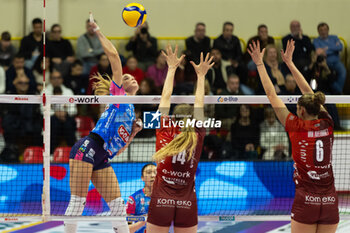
(203, 227)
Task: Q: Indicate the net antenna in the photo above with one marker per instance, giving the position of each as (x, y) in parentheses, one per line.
(46, 132)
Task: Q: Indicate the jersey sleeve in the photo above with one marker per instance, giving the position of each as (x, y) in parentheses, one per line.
(293, 123)
(325, 115)
(114, 89)
(131, 206)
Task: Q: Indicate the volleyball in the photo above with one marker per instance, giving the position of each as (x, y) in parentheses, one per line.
(134, 14)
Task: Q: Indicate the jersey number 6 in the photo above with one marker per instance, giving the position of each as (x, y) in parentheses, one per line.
(319, 151)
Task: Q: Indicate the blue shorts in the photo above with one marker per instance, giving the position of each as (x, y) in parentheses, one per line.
(90, 149)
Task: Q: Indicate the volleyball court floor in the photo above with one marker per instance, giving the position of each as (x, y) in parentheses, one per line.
(203, 227)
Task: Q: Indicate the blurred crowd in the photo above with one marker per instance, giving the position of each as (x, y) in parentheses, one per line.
(247, 132)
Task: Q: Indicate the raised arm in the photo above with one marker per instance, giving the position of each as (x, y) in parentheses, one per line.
(287, 57)
(277, 104)
(110, 51)
(173, 62)
(201, 71)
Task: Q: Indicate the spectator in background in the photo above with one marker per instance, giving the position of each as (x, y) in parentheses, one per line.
(76, 80)
(303, 48)
(38, 72)
(321, 75)
(59, 50)
(32, 45)
(274, 68)
(227, 112)
(22, 123)
(11, 74)
(158, 71)
(185, 77)
(245, 135)
(290, 88)
(138, 202)
(197, 43)
(147, 87)
(217, 75)
(273, 137)
(230, 48)
(143, 46)
(56, 80)
(7, 50)
(264, 39)
(131, 67)
(331, 47)
(88, 48)
(63, 125)
(103, 67)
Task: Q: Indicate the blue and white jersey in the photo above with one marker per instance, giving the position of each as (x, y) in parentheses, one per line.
(115, 123)
(137, 205)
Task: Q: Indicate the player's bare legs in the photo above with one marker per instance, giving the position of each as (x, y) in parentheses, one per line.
(79, 179)
(185, 229)
(325, 228)
(106, 183)
(298, 227)
(151, 228)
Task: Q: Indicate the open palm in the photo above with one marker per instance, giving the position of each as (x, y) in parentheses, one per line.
(287, 55)
(254, 51)
(171, 57)
(203, 66)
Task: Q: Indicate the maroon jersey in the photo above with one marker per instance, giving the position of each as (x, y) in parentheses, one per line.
(177, 172)
(312, 143)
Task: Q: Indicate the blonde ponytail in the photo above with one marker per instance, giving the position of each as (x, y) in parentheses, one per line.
(101, 87)
(185, 141)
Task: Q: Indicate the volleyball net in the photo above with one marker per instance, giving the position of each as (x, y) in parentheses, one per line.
(245, 171)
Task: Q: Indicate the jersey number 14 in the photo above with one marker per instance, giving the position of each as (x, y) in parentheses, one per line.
(181, 157)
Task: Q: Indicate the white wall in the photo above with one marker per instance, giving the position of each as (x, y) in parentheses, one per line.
(177, 17)
(12, 17)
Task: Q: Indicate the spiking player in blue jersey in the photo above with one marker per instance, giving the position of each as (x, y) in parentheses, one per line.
(113, 132)
(138, 202)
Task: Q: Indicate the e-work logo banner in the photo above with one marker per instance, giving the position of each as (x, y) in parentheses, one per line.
(151, 120)
(85, 100)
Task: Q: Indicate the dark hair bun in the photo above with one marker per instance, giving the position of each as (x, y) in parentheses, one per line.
(319, 98)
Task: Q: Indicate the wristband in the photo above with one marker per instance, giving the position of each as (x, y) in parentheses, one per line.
(91, 19)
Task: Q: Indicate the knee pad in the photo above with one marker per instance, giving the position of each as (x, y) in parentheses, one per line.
(76, 206)
(117, 207)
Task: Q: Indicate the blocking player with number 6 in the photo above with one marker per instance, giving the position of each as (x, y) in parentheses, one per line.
(315, 207)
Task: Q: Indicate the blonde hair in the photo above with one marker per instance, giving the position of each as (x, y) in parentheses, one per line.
(101, 87)
(312, 102)
(185, 141)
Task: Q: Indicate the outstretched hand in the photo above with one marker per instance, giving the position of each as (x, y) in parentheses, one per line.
(254, 51)
(204, 65)
(171, 57)
(287, 55)
(92, 22)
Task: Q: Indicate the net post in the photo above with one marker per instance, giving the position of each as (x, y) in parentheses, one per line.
(46, 158)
